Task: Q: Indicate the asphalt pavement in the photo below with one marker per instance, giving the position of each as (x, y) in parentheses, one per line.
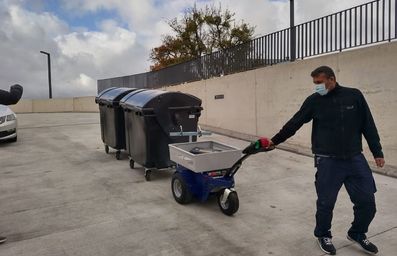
(61, 194)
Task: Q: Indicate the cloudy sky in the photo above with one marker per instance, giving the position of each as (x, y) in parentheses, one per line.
(94, 39)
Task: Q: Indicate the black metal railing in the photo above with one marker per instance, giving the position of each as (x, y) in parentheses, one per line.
(361, 25)
(365, 24)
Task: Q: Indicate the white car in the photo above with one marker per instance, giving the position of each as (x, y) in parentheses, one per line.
(8, 124)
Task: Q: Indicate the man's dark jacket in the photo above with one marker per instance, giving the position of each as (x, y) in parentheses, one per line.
(339, 119)
(12, 97)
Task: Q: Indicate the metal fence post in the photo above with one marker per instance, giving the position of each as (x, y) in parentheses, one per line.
(395, 18)
(293, 31)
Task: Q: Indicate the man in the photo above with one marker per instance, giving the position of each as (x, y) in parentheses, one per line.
(340, 117)
(10, 98)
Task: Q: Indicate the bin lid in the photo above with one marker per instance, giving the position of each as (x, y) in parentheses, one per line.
(163, 105)
(113, 95)
(158, 99)
(127, 97)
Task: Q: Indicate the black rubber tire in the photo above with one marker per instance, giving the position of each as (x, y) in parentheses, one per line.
(148, 175)
(13, 139)
(132, 164)
(232, 203)
(106, 149)
(185, 196)
(118, 155)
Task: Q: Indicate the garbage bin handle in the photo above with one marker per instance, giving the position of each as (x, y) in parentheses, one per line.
(186, 108)
(190, 134)
(179, 108)
(201, 132)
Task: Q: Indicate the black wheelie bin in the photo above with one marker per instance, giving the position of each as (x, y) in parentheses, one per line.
(112, 118)
(150, 116)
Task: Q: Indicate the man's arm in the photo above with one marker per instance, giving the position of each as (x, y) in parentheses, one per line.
(370, 132)
(12, 97)
(304, 115)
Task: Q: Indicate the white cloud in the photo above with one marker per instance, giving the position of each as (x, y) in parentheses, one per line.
(146, 18)
(101, 46)
(85, 81)
(81, 56)
(78, 58)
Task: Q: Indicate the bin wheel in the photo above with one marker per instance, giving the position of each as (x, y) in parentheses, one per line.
(107, 149)
(132, 163)
(148, 175)
(231, 205)
(180, 189)
(118, 155)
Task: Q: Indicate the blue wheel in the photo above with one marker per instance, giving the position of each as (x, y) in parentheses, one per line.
(180, 190)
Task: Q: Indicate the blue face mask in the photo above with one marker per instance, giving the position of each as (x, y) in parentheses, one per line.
(320, 89)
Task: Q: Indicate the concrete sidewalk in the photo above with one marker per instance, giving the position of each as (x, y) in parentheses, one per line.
(60, 194)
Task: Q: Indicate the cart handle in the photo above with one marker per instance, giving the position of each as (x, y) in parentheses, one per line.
(232, 171)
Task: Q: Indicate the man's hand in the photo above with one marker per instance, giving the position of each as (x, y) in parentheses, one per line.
(16, 87)
(380, 162)
(271, 144)
(12, 97)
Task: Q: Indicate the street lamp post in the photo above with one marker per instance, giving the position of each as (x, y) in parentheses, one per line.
(49, 72)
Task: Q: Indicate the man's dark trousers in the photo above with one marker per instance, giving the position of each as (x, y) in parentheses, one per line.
(357, 177)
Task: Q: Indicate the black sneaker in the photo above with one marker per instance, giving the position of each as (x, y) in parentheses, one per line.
(3, 239)
(365, 244)
(326, 245)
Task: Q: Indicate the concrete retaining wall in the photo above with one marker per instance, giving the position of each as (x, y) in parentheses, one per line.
(85, 104)
(80, 104)
(259, 102)
(23, 106)
(53, 105)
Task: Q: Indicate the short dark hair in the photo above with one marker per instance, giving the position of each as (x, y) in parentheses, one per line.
(327, 71)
